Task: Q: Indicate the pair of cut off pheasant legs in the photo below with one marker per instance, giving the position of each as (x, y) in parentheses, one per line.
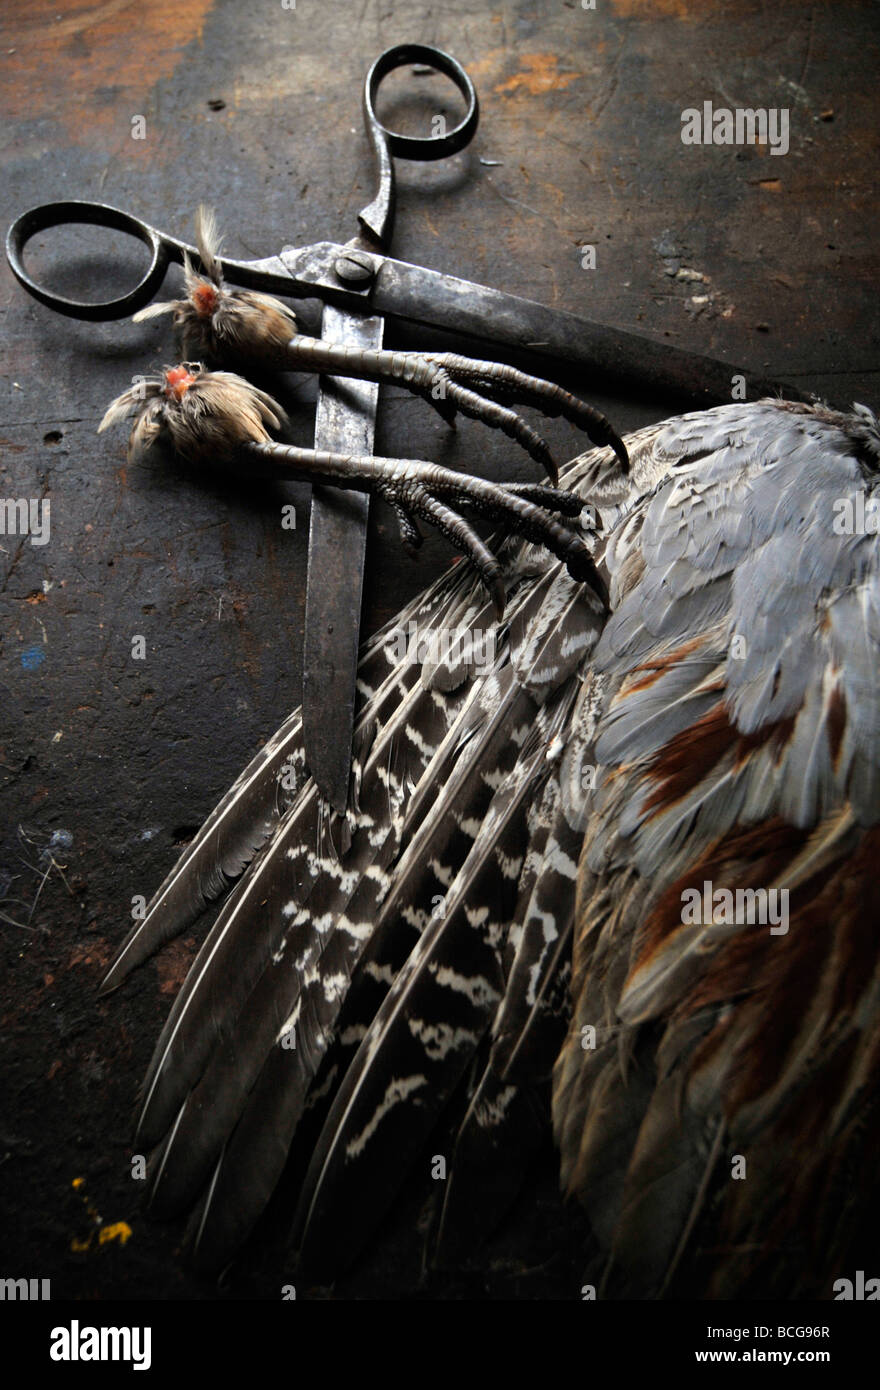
(211, 416)
(217, 417)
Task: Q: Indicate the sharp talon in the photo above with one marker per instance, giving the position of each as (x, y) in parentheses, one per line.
(410, 534)
(619, 448)
(446, 410)
(582, 566)
(550, 467)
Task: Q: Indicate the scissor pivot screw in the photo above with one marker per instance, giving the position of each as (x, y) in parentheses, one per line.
(355, 267)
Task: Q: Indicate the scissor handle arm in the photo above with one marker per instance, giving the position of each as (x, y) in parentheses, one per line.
(378, 216)
(268, 275)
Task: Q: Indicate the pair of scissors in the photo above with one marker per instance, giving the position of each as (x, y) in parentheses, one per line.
(360, 285)
(346, 423)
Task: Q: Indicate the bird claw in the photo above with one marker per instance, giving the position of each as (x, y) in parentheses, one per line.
(410, 535)
(439, 496)
(219, 417)
(494, 382)
(216, 323)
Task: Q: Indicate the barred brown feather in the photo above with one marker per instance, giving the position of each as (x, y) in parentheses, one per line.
(572, 788)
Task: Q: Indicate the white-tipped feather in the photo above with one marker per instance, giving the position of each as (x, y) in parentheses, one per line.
(153, 311)
(209, 241)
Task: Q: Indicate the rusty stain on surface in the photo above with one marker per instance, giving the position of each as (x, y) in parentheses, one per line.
(110, 55)
(539, 74)
(95, 953)
(173, 964)
(692, 10)
(117, 1230)
(488, 64)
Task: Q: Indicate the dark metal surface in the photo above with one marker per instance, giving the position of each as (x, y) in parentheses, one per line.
(579, 144)
(612, 355)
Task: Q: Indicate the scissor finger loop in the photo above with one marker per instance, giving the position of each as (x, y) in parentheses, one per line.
(378, 216)
(438, 146)
(164, 249)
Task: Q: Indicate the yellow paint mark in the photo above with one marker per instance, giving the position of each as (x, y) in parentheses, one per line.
(115, 1230)
(771, 185)
(120, 1230)
(540, 74)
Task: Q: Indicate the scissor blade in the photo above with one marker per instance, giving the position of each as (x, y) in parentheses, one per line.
(444, 301)
(345, 422)
(435, 300)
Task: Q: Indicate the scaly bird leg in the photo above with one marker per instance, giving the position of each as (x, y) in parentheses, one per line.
(217, 417)
(220, 324)
(437, 495)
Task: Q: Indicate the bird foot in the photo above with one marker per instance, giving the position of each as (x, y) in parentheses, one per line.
(218, 324)
(217, 417)
(483, 387)
(418, 490)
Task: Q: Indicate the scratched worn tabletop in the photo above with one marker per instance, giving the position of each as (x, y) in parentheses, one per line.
(108, 761)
